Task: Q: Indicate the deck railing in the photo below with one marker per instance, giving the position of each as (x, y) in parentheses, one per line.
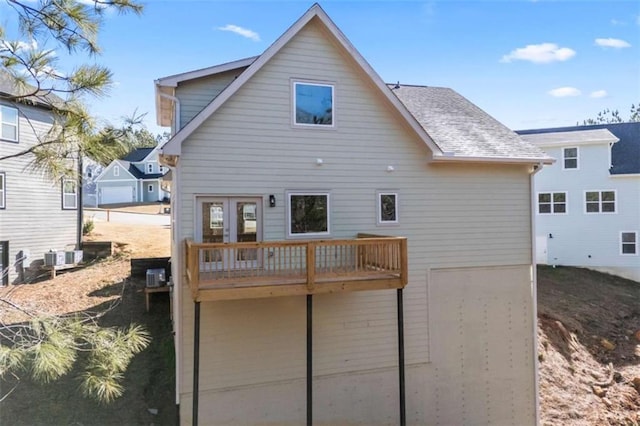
(304, 266)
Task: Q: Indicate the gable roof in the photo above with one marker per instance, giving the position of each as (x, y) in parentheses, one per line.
(454, 116)
(625, 154)
(460, 128)
(124, 165)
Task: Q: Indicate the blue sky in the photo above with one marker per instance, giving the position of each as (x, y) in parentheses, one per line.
(530, 64)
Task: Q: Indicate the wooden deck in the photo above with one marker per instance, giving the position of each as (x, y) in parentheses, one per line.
(228, 271)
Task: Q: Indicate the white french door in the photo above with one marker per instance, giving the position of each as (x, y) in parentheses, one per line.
(229, 220)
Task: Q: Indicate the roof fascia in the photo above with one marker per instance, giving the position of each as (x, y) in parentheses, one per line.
(497, 160)
(174, 80)
(174, 145)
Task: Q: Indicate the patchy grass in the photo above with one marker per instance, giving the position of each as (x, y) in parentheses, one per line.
(103, 285)
(587, 323)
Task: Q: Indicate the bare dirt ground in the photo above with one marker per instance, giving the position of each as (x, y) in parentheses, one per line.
(588, 348)
(100, 286)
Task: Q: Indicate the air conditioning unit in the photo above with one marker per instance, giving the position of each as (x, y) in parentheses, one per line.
(156, 277)
(54, 258)
(72, 257)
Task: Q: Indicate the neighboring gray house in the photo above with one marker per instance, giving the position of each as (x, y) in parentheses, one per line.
(136, 178)
(313, 208)
(36, 213)
(90, 172)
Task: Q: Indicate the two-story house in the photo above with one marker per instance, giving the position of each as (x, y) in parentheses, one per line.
(37, 214)
(345, 251)
(135, 178)
(588, 203)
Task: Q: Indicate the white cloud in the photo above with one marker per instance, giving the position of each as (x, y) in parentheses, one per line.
(564, 92)
(617, 23)
(540, 53)
(598, 94)
(15, 46)
(615, 43)
(252, 35)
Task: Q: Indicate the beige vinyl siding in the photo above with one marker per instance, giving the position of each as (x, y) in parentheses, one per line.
(196, 94)
(453, 215)
(33, 221)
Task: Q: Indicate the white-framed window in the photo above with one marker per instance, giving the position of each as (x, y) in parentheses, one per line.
(150, 188)
(116, 170)
(3, 191)
(570, 158)
(69, 194)
(313, 104)
(629, 243)
(161, 168)
(8, 123)
(149, 167)
(600, 201)
(387, 208)
(308, 214)
(552, 203)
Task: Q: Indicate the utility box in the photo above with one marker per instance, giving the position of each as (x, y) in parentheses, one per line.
(156, 277)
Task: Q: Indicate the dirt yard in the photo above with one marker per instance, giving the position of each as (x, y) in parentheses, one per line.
(588, 348)
(100, 286)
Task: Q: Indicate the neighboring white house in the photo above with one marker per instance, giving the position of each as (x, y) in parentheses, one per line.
(136, 178)
(36, 213)
(344, 251)
(588, 211)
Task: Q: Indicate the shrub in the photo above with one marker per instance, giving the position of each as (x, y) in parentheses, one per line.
(87, 227)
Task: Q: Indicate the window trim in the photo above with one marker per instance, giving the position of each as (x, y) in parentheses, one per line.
(4, 278)
(577, 158)
(150, 187)
(3, 191)
(149, 168)
(552, 212)
(291, 235)
(116, 171)
(294, 123)
(600, 191)
(64, 194)
(635, 253)
(379, 220)
(16, 124)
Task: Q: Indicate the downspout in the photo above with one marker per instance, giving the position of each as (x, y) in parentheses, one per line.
(534, 287)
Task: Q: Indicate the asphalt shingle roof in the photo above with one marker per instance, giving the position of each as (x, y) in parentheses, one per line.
(458, 126)
(625, 154)
(9, 87)
(137, 154)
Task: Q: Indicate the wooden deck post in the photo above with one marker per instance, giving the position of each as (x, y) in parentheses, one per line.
(311, 266)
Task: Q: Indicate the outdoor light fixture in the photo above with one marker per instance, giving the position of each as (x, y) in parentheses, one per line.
(390, 169)
(319, 161)
(272, 200)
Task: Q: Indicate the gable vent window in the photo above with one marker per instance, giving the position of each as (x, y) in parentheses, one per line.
(116, 170)
(150, 188)
(149, 168)
(570, 158)
(9, 123)
(313, 104)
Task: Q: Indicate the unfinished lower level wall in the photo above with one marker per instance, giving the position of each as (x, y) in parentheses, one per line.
(478, 366)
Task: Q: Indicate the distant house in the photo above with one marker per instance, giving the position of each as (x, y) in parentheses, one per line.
(36, 213)
(91, 171)
(136, 178)
(588, 203)
(345, 251)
